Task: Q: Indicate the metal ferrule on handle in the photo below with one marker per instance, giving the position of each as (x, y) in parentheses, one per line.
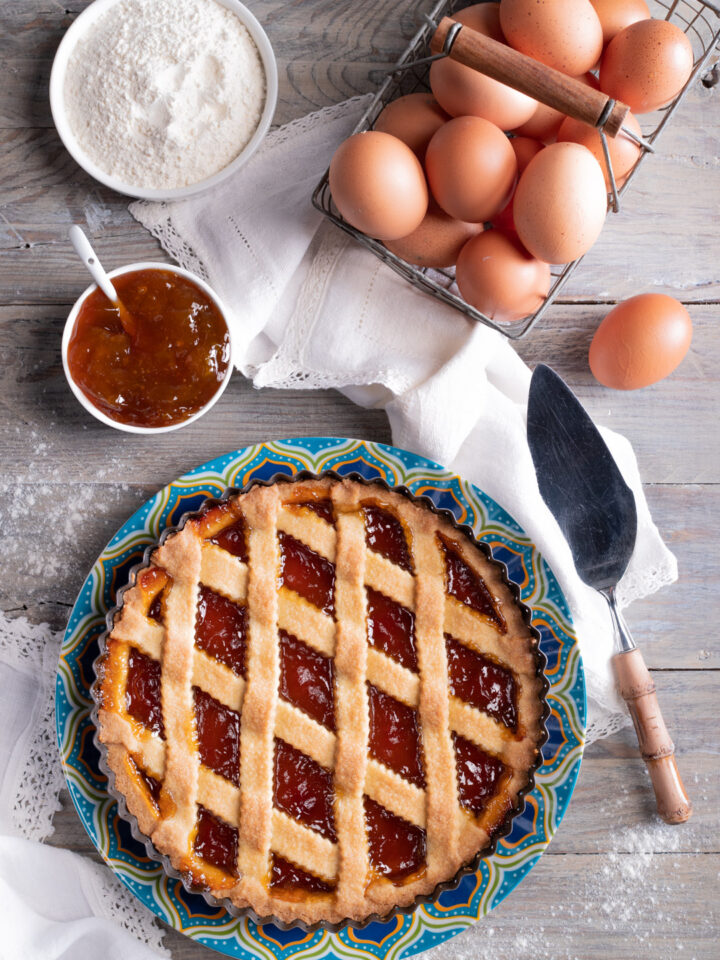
(537, 80)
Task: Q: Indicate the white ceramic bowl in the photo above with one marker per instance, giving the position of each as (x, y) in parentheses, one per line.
(88, 404)
(57, 104)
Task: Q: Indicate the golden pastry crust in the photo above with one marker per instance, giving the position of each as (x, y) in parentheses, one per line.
(182, 783)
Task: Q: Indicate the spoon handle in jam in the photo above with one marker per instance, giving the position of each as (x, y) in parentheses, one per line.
(84, 250)
(88, 256)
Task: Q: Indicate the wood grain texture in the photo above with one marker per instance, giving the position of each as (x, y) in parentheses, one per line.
(68, 483)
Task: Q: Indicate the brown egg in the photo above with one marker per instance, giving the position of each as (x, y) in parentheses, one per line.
(564, 34)
(463, 91)
(412, 119)
(378, 185)
(646, 65)
(615, 15)
(471, 168)
(438, 240)
(640, 341)
(524, 149)
(545, 121)
(560, 203)
(624, 153)
(496, 275)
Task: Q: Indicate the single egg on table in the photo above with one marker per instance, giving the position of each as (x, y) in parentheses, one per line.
(471, 168)
(438, 240)
(646, 65)
(378, 185)
(496, 275)
(640, 341)
(463, 91)
(564, 34)
(413, 119)
(560, 203)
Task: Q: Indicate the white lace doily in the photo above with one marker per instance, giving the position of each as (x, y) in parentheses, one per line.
(34, 777)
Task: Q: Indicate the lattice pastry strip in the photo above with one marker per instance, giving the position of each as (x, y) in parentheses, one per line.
(373, 553)
(350, 699)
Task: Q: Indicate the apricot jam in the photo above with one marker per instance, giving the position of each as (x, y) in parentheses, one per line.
(173, 364)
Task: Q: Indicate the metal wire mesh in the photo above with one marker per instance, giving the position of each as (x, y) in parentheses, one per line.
(699, 19)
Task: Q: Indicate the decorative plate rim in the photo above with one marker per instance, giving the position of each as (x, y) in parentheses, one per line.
(403, 934)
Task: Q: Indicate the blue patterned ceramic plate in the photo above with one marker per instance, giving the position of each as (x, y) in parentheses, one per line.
(406, 934)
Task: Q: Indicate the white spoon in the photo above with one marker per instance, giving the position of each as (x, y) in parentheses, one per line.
(88, 256)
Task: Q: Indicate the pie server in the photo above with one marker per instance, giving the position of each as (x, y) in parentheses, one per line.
(583, 487)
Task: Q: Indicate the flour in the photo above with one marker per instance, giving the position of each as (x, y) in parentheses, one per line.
(164, 93)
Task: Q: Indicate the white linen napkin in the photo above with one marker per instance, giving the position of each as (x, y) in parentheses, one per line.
(312, 308)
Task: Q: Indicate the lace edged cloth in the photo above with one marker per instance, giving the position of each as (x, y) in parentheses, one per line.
(34, 776)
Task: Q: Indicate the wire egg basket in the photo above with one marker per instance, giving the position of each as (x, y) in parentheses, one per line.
(698, 19)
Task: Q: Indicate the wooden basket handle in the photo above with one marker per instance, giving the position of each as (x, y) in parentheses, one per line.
(549, 86)
(656, 747)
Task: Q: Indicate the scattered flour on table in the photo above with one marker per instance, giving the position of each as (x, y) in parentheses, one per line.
(631, 903)
(164, 94)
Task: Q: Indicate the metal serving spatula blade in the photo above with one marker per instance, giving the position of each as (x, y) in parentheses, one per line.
(595, 509)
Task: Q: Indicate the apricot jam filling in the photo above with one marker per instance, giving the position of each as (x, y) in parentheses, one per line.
(479, 774)
(397, 848)
(307, 680)
(220, 629)
(304, 790)
(323, 508)
(394, 736)
(152, 785)
(217, 728)
(155, 610)
(142, 692)
(307, 573)
(466, 586)
(287, 877)
(216, 841)
(232, 539)
(385, 535)
(482, 683)
(391, 628)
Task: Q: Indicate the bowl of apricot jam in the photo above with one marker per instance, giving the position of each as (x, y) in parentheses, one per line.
(161, 368)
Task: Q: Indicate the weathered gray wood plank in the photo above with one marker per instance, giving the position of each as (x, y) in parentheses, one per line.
(669, 423)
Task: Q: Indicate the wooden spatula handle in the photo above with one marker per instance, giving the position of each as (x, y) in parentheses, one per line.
(551, 87)
(657, 749)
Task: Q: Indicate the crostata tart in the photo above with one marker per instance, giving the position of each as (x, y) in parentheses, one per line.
(320, 700)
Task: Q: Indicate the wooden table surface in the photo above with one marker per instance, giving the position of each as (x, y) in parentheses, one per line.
(665, 239)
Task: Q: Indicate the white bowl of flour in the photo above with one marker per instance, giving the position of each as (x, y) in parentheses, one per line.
(163, 99)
